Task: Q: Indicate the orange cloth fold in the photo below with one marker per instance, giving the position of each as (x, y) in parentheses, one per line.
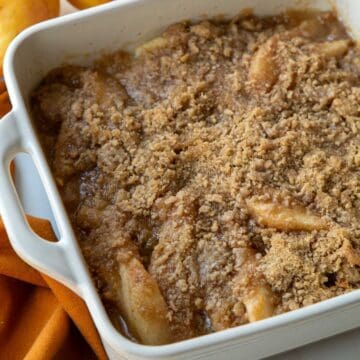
(4, 98)
(40, 319)
(38, 314)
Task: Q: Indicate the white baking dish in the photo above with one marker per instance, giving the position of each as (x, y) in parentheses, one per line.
(78, 38)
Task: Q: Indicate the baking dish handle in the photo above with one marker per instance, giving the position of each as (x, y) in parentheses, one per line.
(39, 253)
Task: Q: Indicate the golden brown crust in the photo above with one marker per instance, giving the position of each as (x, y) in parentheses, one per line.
(223, 161)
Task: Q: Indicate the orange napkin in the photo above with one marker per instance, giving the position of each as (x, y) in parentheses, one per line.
(39, 317)
(4, 99)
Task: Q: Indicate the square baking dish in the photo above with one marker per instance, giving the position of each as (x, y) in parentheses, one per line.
(78, 39)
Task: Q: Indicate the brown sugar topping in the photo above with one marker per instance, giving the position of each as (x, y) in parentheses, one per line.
(225, 156)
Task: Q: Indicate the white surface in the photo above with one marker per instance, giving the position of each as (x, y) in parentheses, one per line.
(345, 346)
(342, 347)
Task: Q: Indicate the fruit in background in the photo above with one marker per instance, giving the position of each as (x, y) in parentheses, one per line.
(16, 15)
(83, 4)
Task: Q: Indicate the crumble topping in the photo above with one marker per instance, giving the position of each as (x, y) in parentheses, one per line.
(160, 155)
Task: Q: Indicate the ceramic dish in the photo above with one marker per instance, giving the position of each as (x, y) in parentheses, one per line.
(79, 38)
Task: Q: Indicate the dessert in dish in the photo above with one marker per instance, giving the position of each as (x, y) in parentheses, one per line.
(212, 176)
